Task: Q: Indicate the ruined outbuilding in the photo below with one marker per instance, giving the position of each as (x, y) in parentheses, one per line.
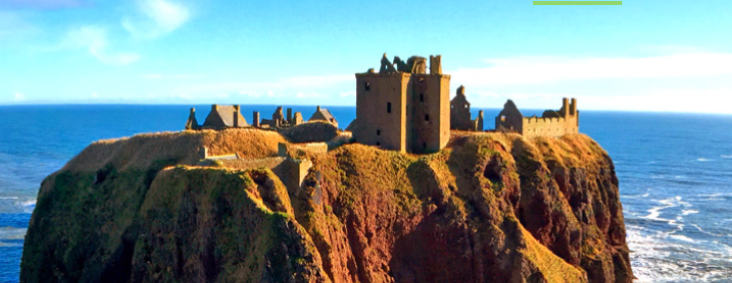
(220, 118)
(460, 114)
(402, 107)
(323, 115)
(279, 120)
(551, 123)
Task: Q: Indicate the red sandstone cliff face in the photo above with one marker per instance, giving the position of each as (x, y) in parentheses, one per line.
(489, 208)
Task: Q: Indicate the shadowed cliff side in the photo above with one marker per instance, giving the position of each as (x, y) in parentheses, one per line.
(488, 208)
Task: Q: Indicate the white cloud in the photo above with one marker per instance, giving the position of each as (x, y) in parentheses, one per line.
(95, 40)
(95, 95)
(539, 70)
(295, 87)
(18, 97)
(348, 93)
(157, 17)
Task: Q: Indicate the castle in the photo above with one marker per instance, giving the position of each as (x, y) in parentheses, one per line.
(460, 114)
(221, 117)
(402, 107)
(551, 123)
(224, 117)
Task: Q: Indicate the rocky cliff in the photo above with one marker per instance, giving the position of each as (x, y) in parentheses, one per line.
(489, 208)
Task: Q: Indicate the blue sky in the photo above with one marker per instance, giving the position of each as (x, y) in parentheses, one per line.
(646, 55)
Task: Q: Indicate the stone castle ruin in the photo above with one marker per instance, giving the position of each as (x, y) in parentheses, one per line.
(278, 119)
(551, 123)
(221, 117)
(224, 117)
(402, 107)
(460, 114)
(406, 107)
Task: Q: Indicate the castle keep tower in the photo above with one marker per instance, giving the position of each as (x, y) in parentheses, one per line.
(402, 107)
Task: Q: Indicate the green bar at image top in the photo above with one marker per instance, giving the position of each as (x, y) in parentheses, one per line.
(578, 2)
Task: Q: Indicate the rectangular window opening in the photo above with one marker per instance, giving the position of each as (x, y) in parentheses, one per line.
(367, 86)
(426, 117)
(378, 132)
(388, 107)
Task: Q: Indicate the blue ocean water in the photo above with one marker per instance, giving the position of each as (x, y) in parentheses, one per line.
(675, 173)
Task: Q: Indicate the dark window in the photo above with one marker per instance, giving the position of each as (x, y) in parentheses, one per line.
(421, 97)
(367, 86)
(378, 144)
(378, 132)
(388, 107)
(424, 145)
(426, 117)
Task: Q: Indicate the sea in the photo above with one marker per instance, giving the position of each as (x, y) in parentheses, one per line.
(675, 173)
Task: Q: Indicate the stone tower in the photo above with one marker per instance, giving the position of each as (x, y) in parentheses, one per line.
(402, 107)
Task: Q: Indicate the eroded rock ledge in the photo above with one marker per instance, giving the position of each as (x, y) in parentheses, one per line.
(489, 208)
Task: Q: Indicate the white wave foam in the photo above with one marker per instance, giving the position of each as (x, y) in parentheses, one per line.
(8, 197)
(682, 238)
(658, 256)
(12, 233)
(30, 202)
(702, 159)
(726, 156)
(689, 211)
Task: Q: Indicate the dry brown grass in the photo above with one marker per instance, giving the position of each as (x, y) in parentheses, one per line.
(551, 266)
(140, 151)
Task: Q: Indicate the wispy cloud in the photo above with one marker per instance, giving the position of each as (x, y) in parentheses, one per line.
(40, 4)
(297, 87)
(171, 76)
(156, 18)
(18, 97)
(538, 70)
(94, 39)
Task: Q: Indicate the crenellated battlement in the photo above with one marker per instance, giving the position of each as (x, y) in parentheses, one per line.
(552, 123)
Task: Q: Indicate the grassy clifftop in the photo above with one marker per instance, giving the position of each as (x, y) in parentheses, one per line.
(489, 207)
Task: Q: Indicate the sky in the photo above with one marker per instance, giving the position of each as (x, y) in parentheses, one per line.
(646, 55)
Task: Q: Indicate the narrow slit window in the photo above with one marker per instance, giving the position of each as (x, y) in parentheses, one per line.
(367, 86)
(378, 144)
(421, 97)
(388, 107)
(378, 132)
(426, 117)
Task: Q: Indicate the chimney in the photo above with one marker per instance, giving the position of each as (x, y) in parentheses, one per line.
(318, 108)
(289, 115)
(256, 119)
(237, 108)
(565, 107)
(436, 65)
(214, 107)
(573, 107)
(236, 118)
(193, 111)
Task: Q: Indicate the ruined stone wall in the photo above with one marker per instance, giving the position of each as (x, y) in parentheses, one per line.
(380, 124)
(549, 127)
